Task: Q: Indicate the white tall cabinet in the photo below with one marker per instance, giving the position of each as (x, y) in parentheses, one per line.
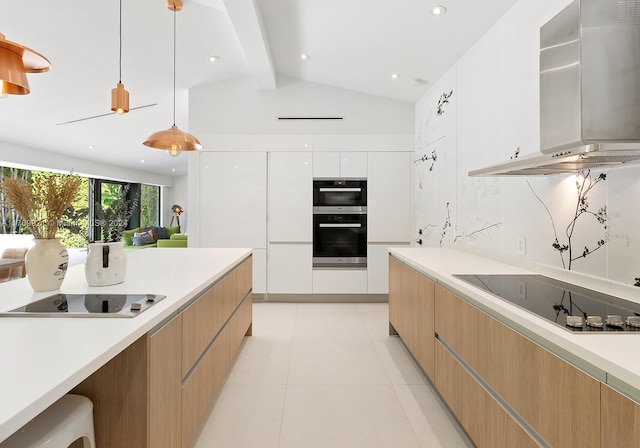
(388, 213)
(290, 222)
(264, 200)
(233, 205)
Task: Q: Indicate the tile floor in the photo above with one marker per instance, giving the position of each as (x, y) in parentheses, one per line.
(326, 375)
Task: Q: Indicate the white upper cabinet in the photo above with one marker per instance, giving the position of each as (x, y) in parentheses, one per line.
(389, 197)
(340, 164)
(290, 197)
(233, 199)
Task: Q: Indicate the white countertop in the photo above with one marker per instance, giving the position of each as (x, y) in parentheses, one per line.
(41, 359)
(602, 355)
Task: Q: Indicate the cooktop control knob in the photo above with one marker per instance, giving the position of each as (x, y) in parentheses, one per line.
(594, 321)
(614, 321)
(633, 321)
(574, 321)
(135, 306)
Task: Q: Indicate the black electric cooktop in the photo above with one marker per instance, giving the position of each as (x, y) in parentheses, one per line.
(572, 307)
(87, 305)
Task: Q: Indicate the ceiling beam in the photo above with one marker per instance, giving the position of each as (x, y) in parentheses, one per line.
(247, 21)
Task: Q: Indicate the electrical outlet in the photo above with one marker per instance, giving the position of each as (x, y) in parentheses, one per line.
(522, 245)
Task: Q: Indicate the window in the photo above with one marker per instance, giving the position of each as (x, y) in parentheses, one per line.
(149, 205)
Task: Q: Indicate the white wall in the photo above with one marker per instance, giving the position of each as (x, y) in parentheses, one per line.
(493, 111)
(236, 107)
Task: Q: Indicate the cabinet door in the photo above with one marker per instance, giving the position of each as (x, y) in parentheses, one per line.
(290, 197)
(485, 421)
(326, 164)
(202, 385)
(412, 312)
(233, 199)
(353, 164)
(395, 294)
(290, 268)
(389, 197)
(339, 281)
(377, 269)
(165, 385)
(620, 419)
(559, 401)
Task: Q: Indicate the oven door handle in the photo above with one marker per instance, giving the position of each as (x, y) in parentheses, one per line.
(324, 190)
(341, 225)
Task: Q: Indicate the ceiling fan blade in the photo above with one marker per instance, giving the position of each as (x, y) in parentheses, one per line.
(104, 115)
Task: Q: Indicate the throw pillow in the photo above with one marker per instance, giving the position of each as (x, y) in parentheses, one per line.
(161, 232)
(143, 238)
(127, 236)
(152, 231)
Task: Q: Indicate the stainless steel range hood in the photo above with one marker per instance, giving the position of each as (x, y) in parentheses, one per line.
(589, 91)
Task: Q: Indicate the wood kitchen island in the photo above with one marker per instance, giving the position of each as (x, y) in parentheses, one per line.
(152, 377)
(510, 377)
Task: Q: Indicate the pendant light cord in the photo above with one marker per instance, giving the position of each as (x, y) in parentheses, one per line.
(174, 64)
(120, 57)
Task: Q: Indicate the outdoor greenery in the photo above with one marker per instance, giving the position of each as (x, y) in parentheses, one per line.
(74, 226)
(113, 216)
(48, 187)
(149, 206)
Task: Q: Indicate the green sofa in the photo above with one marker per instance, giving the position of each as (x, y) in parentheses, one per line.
(172, 234)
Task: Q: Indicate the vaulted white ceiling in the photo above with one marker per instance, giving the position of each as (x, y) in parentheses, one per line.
(352, 44)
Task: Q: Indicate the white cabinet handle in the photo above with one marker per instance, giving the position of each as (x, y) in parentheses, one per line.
(341, 225)
(323, 190)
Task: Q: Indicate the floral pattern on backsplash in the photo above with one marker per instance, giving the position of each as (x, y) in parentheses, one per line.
(587, 224)
(567, 248)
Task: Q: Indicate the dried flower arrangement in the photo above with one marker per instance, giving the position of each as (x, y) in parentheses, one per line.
(42, 202)
(114, 220)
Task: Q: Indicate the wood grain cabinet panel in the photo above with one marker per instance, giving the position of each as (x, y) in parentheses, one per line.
(154, 393)
(240, 326)
(395, 293)
(241, 278)
(620, 419)
(202, 320)
(411, 312)
(486, 422)
(119, 391)
(559, 401)
(165, 382)
(200, 388)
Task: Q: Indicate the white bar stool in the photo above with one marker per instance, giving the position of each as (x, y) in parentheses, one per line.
(65, 421)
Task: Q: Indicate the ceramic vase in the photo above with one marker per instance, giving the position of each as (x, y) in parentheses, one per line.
(106, 264)
(46, 264)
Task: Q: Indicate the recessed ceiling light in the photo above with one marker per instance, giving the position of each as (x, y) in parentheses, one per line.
(92, 146)
(214, 58)
(142, 161)
(173, 169)
(438, 10)
(395, 75)
(305, 56)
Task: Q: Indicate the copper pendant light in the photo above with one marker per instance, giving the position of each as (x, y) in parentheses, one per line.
(119, 96)
(15, 62)
(173, 140)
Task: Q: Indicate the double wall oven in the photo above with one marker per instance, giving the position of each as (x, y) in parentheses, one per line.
(339, 223)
